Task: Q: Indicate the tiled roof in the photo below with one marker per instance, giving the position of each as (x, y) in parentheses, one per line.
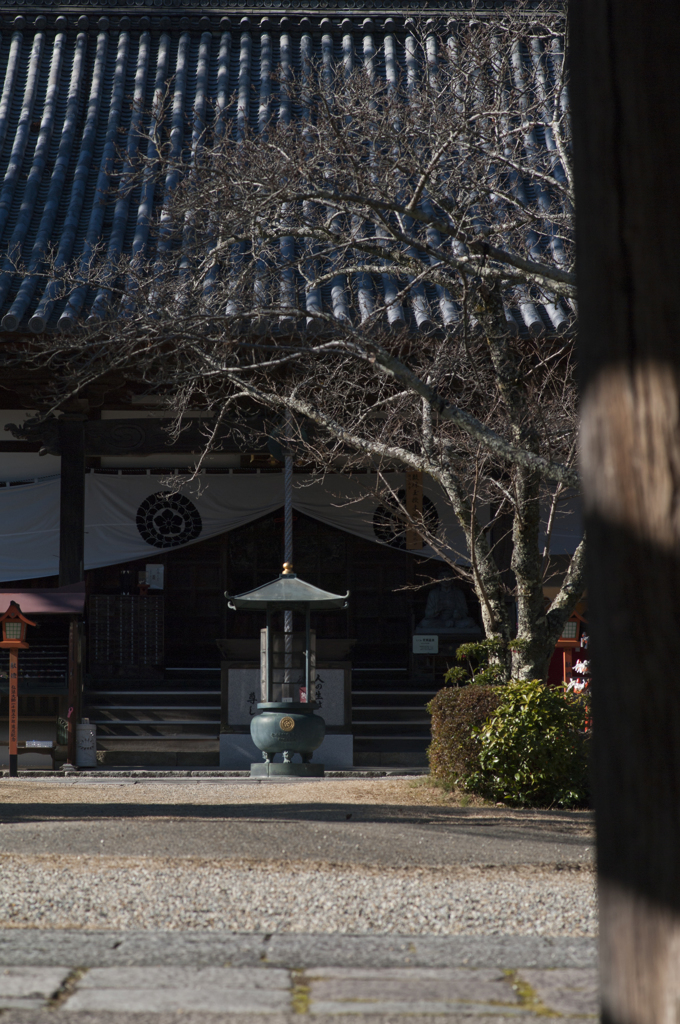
(66, 107)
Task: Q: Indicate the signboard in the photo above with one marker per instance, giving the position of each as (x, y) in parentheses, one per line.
(86, 745)
(154, 576)
(424, 643)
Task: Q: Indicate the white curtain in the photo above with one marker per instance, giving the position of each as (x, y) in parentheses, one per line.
(29, 530)
(136, 516)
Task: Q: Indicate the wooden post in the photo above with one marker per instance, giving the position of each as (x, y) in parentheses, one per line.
(72, 498)
(414, 508)
(73, 689)
(71, 549)
(13, 711)
(309, 682)
(626, 105)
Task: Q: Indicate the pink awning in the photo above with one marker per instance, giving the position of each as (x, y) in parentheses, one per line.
(68, 600)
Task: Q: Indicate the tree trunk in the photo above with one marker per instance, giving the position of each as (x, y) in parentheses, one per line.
(485, 574)
(528, 661)
(627, 147)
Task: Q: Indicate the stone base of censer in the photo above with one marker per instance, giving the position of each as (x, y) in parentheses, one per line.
(265, 769)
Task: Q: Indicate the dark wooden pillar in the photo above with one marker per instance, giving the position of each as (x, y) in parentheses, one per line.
(72, 498)
(626, 111)
(71, 549)
(74, 687)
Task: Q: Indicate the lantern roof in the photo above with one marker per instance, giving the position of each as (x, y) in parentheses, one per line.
(14, 612)
(287, 592)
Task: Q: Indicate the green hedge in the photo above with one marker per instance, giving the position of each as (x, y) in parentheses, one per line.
(456, 712)
(524, 743)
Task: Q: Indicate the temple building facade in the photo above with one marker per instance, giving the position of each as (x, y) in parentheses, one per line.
(134, 632)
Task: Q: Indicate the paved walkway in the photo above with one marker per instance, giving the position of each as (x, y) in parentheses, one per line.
(129, 904)
(161, 977)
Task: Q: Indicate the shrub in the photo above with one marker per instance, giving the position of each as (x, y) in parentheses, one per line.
(482, 665)
(532, 750)
(456, 712)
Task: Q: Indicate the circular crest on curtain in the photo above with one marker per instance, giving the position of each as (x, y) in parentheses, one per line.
(389, 525)
(167, 520)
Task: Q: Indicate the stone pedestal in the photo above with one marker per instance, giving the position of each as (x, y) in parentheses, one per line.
(295, 769)
(238, 752)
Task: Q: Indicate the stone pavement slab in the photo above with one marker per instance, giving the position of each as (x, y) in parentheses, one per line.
(158, 990)
(158, 978)
(507, 952)
(110, 948)
(27, 988)
(30, 946)
(200, 1017)
(565, 990)
(399, 995)
(443, 991)
(31, 982)
(208, 1000)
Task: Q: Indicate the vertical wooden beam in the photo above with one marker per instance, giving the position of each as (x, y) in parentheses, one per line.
(73, 688)
(71, 549)
(414, 508)
(72, 498)
(626, 109)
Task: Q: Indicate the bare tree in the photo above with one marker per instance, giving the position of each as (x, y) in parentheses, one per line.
(385, 253)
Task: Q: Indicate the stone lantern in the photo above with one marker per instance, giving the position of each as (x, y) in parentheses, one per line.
(14, 625)
(287, 723)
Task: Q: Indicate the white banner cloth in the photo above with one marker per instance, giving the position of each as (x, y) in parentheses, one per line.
(29, 530)
(130, 517)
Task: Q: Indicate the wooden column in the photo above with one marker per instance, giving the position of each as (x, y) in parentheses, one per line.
(71, 550)
(74, 688)
(72, 498)
(626, 109)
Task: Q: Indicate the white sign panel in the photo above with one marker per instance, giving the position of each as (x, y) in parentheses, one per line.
(244, 695)
(86, 745)
(425, 644)
(155, 575)
(330, 695)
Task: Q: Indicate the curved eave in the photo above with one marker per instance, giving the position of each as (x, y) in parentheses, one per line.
(287, 592)
(291, 606)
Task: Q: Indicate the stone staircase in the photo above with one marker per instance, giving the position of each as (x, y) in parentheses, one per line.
(170, 722)
(390, 723)
(175, 721)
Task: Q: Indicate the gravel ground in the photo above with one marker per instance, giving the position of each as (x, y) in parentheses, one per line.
(388, 791)
(191, 893)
